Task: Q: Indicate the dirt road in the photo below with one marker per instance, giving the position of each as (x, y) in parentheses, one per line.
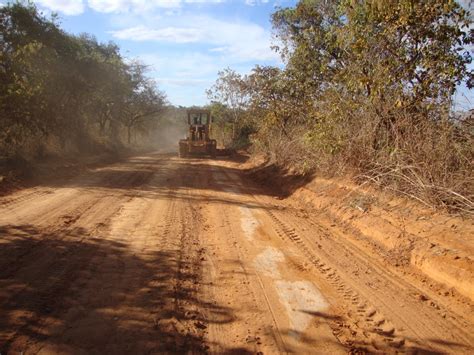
(160, 254)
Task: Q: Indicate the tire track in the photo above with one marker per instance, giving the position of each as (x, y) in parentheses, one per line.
(383, 311)
(252, 285)
(376, 328)
(367, 316)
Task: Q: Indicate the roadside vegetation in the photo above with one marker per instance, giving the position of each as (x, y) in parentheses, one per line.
(67, 94)
(366, 90)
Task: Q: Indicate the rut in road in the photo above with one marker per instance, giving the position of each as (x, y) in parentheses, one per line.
(160, 254)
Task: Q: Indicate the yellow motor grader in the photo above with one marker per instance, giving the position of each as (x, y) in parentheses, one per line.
(198, 141)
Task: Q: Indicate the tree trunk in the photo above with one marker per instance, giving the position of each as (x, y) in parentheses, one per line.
(102, 127)
(234, 124)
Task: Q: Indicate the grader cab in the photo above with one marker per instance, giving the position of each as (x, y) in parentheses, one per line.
(198, 141)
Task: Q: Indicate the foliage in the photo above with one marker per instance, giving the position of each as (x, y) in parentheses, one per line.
(367, 88)
(229, 90)
(222, 124)
(65, 88)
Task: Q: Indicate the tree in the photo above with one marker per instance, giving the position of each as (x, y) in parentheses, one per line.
(71, 90)
(366, 85)
(143, 104)
(229, 90)
(222, 123)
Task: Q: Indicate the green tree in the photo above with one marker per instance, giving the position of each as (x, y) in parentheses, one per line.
(70, 88)
(367, 85)
(144, 102)
(229, 90)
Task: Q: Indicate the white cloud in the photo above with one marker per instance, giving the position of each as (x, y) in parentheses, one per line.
(239, 40)
(186, 47)
(255, 2)
(76, 7)
(107, 5)
(140, 6)
(131, 5)
(186, 65)
(67, 7)
(184, 75)
(166, 34)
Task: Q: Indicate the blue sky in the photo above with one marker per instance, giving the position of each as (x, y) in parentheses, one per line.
(186, 42)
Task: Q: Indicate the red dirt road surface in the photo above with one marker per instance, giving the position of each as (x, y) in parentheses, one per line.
(161, 254)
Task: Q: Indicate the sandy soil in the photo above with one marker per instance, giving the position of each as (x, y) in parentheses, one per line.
(161, 254)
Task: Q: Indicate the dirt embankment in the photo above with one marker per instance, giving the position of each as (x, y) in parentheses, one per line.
(400, 232)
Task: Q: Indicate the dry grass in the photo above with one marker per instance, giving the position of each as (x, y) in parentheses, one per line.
(430, 161)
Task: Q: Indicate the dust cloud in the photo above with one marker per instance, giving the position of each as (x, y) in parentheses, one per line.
(166, 133)
(165, 139)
